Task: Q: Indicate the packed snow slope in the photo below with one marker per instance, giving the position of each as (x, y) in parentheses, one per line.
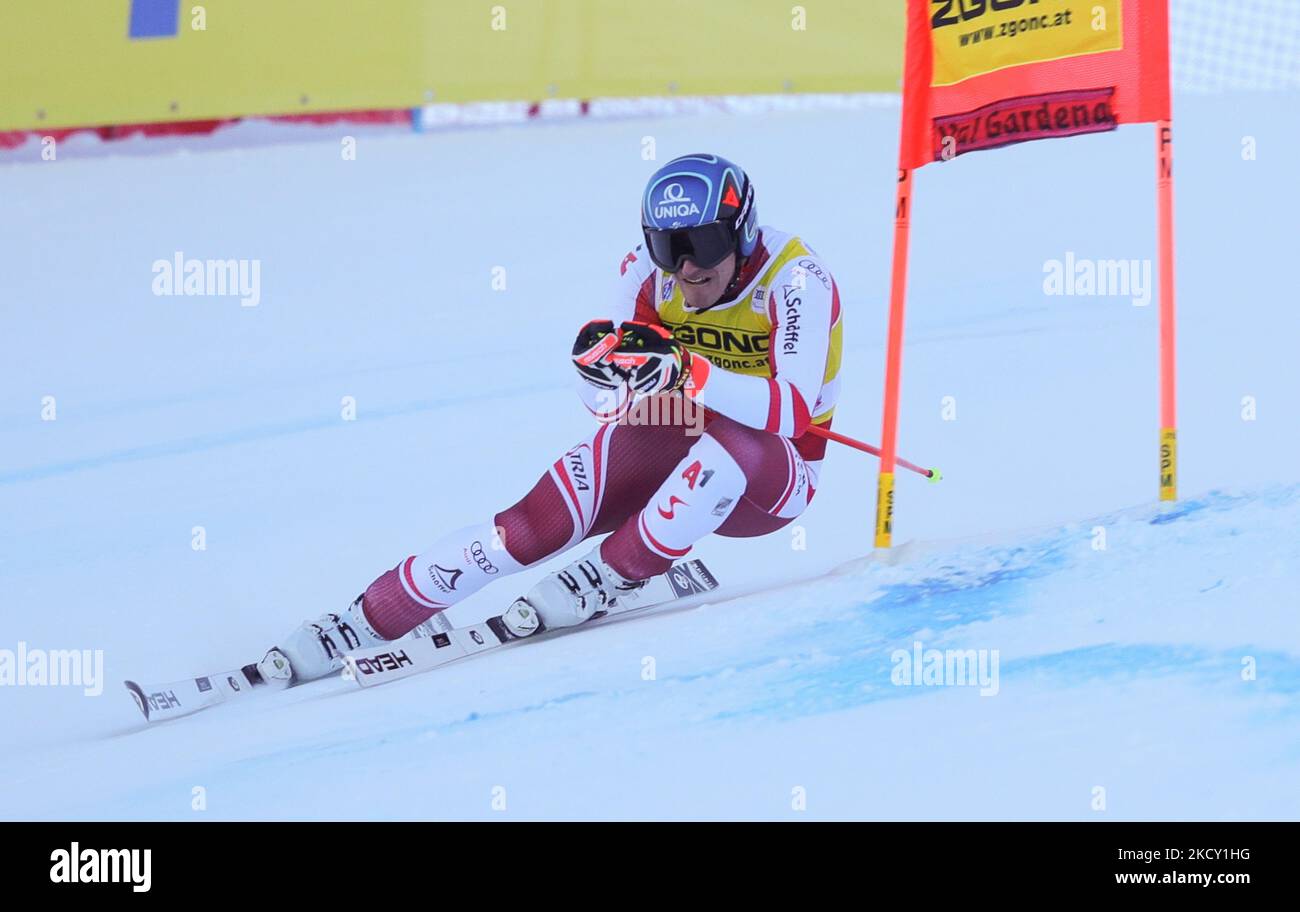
(1142, 662)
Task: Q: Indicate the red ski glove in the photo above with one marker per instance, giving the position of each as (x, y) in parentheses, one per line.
(651, 359)
(595, 342)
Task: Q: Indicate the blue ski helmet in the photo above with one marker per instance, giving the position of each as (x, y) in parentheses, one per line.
(698, 207)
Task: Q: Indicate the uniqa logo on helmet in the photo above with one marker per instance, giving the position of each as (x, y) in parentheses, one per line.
(674, 204)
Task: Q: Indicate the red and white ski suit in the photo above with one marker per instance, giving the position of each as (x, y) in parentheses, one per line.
(743, 466)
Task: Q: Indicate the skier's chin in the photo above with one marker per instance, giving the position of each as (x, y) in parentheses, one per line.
(700, 295)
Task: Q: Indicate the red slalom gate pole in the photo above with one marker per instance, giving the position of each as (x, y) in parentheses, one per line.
(932, 474)
(893, 358)
(1165, 240)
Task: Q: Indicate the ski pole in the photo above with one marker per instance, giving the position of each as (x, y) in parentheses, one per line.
(932, 474)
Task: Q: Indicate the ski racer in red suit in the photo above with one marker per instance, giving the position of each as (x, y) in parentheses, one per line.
(711, 310)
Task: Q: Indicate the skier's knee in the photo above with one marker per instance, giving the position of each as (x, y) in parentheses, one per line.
(765, 461)
(537, 526)
(711, 466)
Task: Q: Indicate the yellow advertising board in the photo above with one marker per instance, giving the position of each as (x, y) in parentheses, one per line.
(973, 37)
(91, 62)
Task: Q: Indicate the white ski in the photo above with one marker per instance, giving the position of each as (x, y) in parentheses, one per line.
(411, 656)
(160, 702)
(430, 645)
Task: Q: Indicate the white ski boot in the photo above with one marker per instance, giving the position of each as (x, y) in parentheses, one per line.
(586, 588)
(316, 649)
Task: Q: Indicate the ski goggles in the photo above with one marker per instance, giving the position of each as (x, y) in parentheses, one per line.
(704, 245)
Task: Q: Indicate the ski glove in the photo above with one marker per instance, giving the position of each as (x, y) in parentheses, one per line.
(650, 359)
(594, 344)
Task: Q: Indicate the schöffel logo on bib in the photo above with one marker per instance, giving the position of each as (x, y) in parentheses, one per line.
(675, 204)
(790, 341)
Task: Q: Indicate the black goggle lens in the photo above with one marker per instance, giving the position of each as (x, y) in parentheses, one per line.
(704, 245)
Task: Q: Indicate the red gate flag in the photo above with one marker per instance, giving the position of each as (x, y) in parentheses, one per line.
(986, 73)
(979, 74)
